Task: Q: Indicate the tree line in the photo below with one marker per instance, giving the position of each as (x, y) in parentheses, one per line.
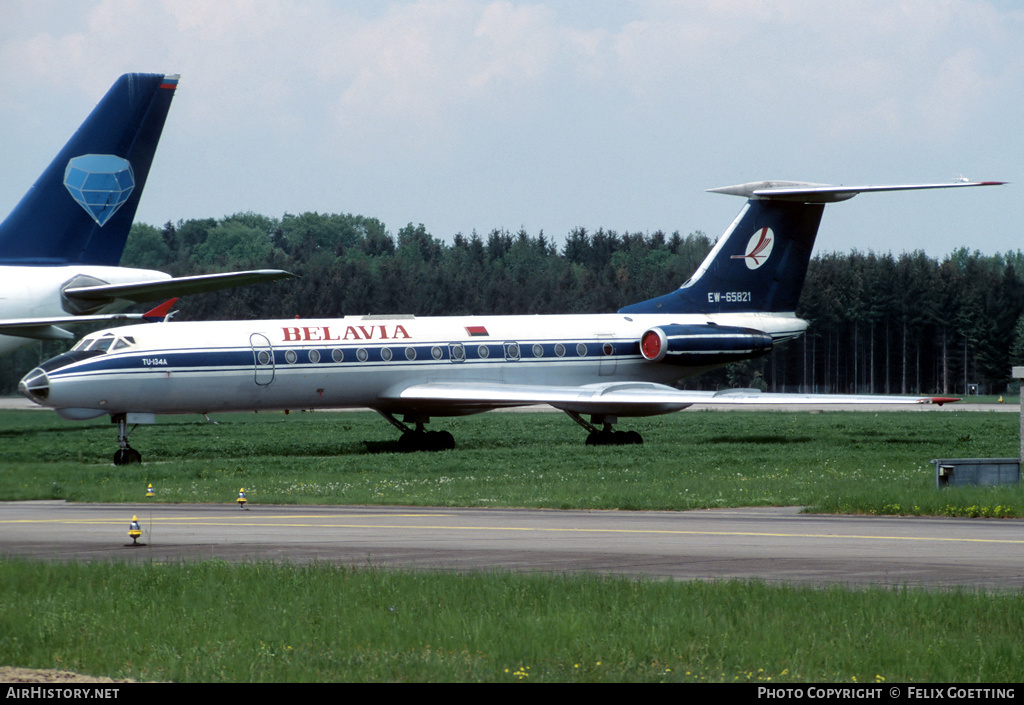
(880, 323)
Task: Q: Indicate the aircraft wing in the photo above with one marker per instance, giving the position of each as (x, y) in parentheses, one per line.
(619, 398)
(180, 286)
(49, 328)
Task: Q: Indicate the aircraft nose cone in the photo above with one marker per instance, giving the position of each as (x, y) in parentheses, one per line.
(35, 385)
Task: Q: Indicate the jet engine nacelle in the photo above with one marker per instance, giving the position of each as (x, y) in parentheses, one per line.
(703, 344)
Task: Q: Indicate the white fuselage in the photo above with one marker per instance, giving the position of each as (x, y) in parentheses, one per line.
(34, 292)
(365, 361)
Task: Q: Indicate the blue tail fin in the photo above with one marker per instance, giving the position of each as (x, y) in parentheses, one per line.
(759, 265)
(81, 209)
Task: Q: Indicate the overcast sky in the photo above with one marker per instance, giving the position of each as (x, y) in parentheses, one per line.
(546, 115)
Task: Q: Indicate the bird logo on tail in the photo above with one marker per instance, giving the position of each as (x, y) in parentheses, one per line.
(759, 248)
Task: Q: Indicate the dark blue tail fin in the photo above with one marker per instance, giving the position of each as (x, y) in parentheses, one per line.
(81, 209)
(759, 265)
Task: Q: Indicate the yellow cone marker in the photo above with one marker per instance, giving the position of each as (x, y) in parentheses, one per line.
(241, 498)
(134, 530)
(150, 492)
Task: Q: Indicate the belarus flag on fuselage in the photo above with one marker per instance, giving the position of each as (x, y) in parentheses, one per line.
(476, 330)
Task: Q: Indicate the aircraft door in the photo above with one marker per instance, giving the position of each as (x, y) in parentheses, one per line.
(263, 359)
(608, 359)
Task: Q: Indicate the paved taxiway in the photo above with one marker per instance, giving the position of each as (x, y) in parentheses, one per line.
(773, 544)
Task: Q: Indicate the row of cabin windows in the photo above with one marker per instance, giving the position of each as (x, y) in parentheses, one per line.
(458, 353)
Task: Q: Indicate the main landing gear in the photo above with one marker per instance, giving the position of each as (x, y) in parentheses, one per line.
(606, 436)
(419, 438)
(125, 455)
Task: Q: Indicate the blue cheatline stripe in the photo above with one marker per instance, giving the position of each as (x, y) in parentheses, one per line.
(243, 360)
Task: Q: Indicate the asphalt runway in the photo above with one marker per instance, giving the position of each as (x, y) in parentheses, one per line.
(776, 545)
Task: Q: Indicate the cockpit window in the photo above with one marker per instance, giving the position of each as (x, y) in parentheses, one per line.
(100, 343)
(125, 342)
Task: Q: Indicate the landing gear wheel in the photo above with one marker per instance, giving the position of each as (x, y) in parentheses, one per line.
(606, 436)
(426, 440)
(614, 438)
(419, 438)
(633, 438)
(127, 456)
(441, 440)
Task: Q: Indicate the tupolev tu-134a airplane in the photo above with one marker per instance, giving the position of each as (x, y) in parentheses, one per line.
(61, 245)
(738, 305)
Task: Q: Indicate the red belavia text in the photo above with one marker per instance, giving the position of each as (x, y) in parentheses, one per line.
(325, 334)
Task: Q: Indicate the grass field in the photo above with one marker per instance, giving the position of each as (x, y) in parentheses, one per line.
(206, 622)
(834, 461)
(212, 622)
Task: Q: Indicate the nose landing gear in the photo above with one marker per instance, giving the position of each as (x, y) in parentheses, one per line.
(125, 455)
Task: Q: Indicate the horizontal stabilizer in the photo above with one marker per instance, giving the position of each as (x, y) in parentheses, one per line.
(800, 192)
(163, 288)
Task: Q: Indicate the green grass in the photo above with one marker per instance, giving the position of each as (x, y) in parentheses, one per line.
(853, 462)
(210, 621)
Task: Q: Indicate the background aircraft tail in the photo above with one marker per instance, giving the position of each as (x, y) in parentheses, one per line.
(81, 209)
(759, 265)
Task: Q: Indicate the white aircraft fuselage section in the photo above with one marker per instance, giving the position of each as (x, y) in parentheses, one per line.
(368, 361)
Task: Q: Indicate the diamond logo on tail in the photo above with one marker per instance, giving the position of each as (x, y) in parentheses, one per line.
(759, 248)
(100, 183)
